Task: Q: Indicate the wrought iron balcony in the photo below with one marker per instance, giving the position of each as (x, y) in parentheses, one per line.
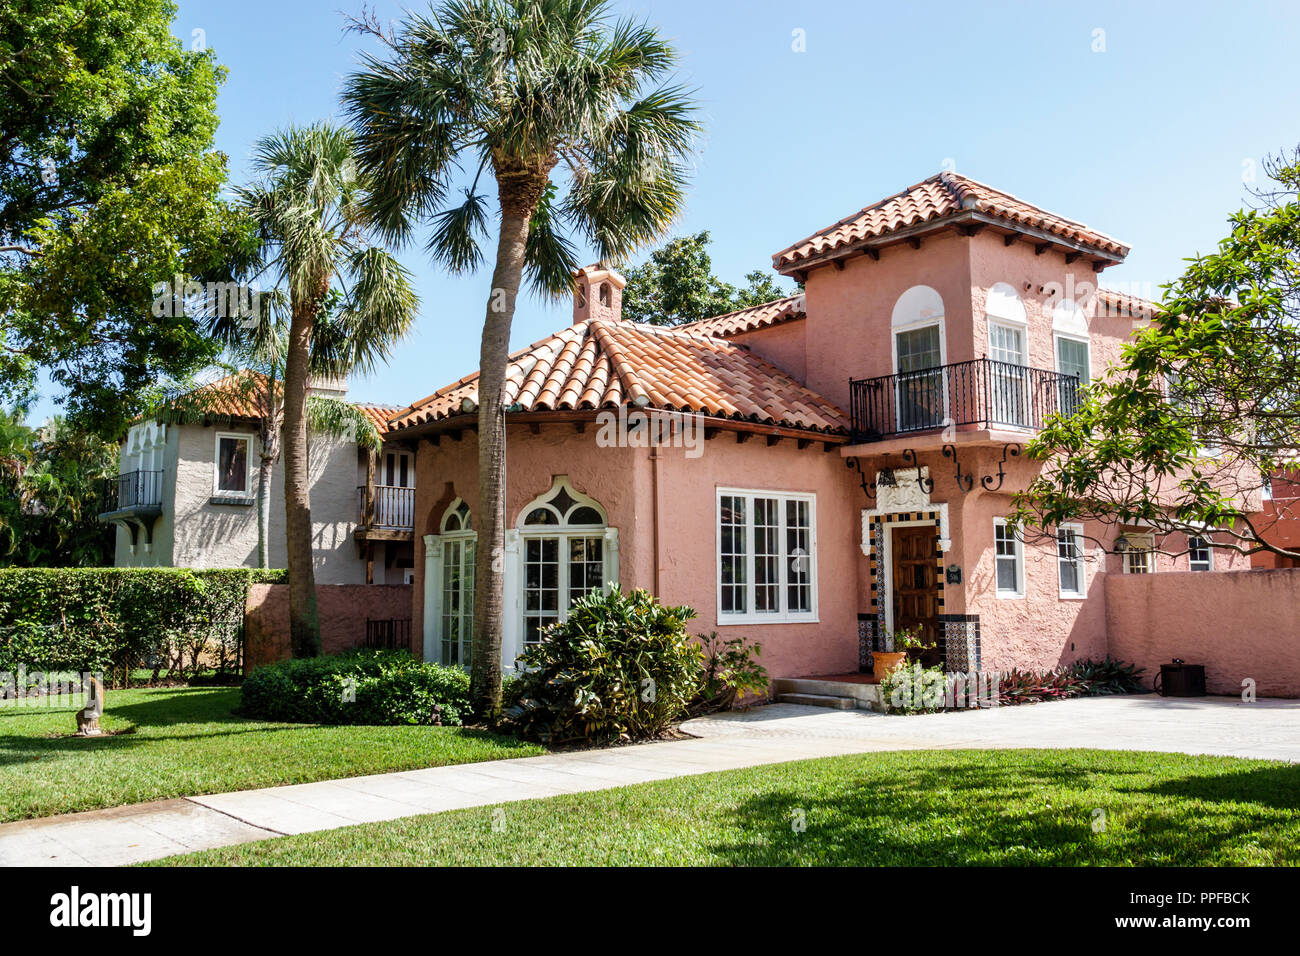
(981, 392)
(392, 508)
(136, 492)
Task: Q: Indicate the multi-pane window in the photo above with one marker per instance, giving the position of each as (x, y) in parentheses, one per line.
(457, 613)
(1072, 359)
(457, 600)
(766, 557)
(1140, 558)
(920, 392)
(918, 349)
(1069, 560)
(1009, 379)
(231, 476)
(1200, 556)
(563, 559)
(1008, 556)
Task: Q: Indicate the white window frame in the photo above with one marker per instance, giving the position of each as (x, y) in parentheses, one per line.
(562, 534)
(1208, 563)
(217, 490)
(1149, 548)
(1082, 576)
(784, 616)
(1019, 556)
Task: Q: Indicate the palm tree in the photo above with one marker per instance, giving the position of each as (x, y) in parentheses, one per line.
(518, 88)
(348, 302)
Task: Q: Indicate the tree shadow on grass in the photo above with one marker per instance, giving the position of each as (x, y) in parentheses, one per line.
(960, 814)
(175, 708)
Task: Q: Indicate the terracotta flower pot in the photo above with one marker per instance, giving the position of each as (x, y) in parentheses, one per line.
(886, 661)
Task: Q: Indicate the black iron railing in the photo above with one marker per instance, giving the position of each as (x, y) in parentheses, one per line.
(392, 634)
(135, 489)
(392, 507)
(981, 392)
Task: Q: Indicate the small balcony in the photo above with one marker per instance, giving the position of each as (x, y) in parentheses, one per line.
(134, 494)
(981, 393)
(387, 513)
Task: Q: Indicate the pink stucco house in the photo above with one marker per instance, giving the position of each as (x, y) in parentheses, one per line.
(813, 472)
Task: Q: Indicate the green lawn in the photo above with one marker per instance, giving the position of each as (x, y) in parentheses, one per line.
(935, 807)
(187, 741)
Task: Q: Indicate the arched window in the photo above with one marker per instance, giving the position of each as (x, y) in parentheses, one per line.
(455, 624)
(1009, 386)
(919, 353)
(1073, 351)
(564, 553)
(604, 294)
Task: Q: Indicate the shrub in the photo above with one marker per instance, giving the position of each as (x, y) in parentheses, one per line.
(1107, 676)
(914, 689)
(357, 687)
(731, 671)
(620, 667)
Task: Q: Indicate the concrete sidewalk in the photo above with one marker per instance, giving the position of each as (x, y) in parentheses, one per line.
(772, 734)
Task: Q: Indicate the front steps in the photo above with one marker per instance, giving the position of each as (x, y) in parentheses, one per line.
(835, 694)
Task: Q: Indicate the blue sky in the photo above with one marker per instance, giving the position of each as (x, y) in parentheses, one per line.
(1148, 140)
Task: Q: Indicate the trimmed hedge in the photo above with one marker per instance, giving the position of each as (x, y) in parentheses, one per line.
(105, 619)
(357, 687)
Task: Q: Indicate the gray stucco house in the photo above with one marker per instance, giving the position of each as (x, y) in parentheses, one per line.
(186, 496)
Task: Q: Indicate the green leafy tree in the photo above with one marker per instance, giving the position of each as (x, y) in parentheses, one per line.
(676, 285)
(514, 91)
(1203, 403)
(51, 480)
(108, 187)
(348, 302)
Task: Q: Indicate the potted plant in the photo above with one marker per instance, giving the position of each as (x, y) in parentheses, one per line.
(902, 642)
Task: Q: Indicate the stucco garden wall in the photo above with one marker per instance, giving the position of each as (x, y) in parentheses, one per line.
(1240, 624)
(343, 610)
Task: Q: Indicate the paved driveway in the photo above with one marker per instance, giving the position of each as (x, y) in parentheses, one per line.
(1225, 726)
(773, 734)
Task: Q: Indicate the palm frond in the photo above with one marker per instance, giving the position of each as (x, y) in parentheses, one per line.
(339, 419)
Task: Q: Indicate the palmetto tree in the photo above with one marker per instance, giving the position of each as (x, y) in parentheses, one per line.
(520, 90)
(347, 299)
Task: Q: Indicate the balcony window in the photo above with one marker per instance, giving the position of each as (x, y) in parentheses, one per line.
(1072, 359)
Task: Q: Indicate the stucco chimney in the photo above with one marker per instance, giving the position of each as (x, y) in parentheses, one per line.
(597, 294)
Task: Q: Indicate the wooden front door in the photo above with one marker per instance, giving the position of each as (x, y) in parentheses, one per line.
(916, 585)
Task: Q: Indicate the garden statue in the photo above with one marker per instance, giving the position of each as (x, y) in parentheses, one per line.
(88, 716)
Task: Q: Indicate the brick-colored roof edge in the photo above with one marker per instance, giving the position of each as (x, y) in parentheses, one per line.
(935, 200)
(604, 364)
(755, 317)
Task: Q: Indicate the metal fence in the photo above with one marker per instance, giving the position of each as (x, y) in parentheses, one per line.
(978, 392)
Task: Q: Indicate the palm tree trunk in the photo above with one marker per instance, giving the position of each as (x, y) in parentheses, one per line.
(485, 668)
(264, 467)
(304, 624)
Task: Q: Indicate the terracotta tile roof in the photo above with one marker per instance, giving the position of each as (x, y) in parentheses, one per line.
(1111, 302)
(606, 364)
(243, 396)
(940, 197)
(378, 414)
(747, 320)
